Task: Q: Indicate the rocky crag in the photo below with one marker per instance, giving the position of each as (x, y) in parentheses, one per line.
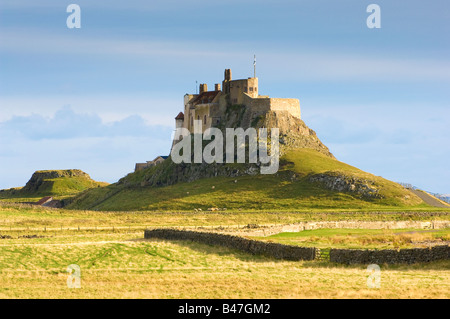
(40, 178)
(294, 133)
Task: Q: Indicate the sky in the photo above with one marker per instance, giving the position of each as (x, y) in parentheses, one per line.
(104, 96)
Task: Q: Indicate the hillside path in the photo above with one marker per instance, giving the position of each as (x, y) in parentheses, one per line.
(430, 200)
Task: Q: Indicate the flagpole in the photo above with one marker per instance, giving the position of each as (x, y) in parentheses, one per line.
(254, 66)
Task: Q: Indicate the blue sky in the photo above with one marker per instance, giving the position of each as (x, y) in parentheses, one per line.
(104, 97)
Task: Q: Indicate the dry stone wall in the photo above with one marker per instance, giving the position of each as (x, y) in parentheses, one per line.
(295, 253)
(254, 247)
(390, 256)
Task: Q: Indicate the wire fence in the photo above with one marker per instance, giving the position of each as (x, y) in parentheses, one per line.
(407, 185)
(116, 228)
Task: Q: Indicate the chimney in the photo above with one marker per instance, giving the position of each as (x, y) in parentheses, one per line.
(217, 87)
(203, 88)
(227, 74)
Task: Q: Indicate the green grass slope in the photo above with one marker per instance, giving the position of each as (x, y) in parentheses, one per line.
(56, 183)
(291, 189)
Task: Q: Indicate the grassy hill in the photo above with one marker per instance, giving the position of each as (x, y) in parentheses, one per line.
(306, 180)
(57, 183)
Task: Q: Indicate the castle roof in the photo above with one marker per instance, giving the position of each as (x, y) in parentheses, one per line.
(205, 97)
(180, 116)
(44, 200)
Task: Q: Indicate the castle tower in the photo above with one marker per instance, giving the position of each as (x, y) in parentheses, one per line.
(226, 81)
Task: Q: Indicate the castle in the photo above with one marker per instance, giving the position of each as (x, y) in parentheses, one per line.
(210, 106)
(156, 161)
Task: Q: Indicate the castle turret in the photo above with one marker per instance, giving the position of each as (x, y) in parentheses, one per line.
(179, 120)
(179, 123)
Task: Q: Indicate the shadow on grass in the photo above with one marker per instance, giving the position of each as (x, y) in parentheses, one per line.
(217, 250)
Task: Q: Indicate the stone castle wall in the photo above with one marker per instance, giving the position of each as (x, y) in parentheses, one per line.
(238, 88)
(236, 92)
(289, 105)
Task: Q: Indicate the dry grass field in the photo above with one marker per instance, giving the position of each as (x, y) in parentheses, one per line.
(37, 245)
(123, 265)
(363, 238)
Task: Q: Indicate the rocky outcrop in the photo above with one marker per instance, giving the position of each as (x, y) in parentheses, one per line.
(347, 183)
(294, 133)
(170, 173)
(40, 177)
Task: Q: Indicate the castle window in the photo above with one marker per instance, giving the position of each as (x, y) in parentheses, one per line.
(245, 89)
(204, 119)
(198, 117)
(256, 89)
(251, 89)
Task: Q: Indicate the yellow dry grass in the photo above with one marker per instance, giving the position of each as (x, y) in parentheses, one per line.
(123, 266)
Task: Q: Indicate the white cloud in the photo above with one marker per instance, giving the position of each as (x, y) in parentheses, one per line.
(104, 158)
(309, 63)
(404, 143)
(155, 111)
(342, 66)
(19, 40)
(67, 139)
(135, 5)
(66, 123)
